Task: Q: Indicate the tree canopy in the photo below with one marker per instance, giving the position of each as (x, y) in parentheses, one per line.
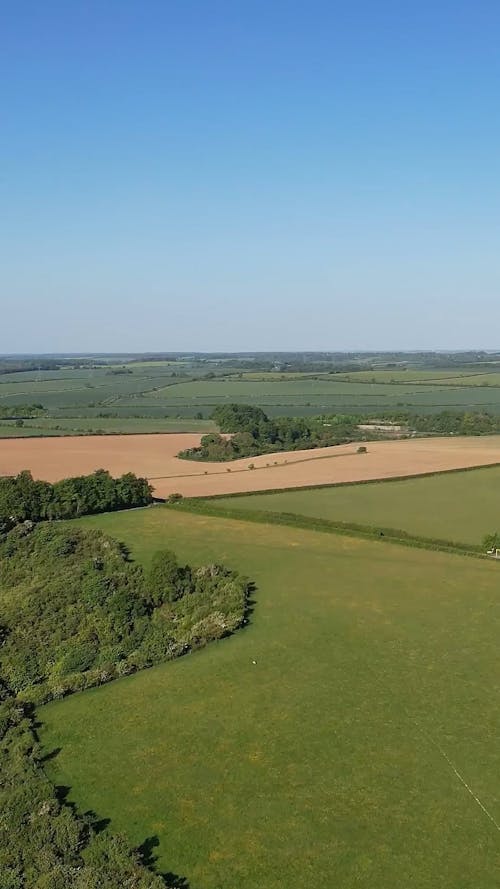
(24, 499)
(255, 433)
(75, 612)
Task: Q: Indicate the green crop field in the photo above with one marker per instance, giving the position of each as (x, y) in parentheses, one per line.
(182, 389)
(427, 377)
(457, 506)
(306, 396)
(359, 750)
(106, 425)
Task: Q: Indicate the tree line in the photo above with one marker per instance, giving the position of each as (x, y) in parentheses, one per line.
(253, 433)
(75, 612)
(22, 498)
(21, 411)
(455, 422)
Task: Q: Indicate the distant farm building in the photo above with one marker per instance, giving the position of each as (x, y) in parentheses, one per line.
(385, 428)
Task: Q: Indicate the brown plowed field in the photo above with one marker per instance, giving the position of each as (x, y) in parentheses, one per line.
(154, 456)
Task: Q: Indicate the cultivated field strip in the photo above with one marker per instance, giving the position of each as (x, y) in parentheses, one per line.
(161, 388)
(155, 457)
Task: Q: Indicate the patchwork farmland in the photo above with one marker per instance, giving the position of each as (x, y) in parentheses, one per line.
(177, 391)
(345, 735)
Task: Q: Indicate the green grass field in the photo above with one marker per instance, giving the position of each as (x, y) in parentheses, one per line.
(339, 758)
(457, 506)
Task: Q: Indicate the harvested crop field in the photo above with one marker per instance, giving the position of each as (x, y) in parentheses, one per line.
(154, 456)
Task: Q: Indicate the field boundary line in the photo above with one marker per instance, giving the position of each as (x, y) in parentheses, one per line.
(309, 523)
(366, 481)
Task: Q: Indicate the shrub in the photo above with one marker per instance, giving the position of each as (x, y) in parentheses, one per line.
(491, 541)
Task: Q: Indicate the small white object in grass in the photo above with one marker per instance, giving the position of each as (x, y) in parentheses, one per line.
(254, 662)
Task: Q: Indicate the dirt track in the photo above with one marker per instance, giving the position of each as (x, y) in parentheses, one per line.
(154, 456)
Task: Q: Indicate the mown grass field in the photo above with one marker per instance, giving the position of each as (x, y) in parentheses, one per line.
(457, 506)
(334, 760)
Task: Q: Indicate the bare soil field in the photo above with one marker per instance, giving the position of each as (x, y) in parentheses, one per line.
(154, 456)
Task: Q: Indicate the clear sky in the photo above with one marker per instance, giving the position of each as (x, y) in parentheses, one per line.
(249, 174)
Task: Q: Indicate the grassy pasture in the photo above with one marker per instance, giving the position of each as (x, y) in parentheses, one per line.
(328, 763)
(457, 506)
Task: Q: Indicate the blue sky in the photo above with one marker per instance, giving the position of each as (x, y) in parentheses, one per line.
(249, 175)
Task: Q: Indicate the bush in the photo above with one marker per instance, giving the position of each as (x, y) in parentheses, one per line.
(491, 541)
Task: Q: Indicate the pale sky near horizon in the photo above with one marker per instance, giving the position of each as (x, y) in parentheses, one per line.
(249, 175)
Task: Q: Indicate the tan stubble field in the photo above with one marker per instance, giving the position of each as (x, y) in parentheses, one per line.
(155, 457)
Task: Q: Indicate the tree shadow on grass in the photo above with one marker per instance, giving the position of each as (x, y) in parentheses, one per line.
(250, 602)
(90, 819)
(149, 859)
(50, 755)
(95, 825)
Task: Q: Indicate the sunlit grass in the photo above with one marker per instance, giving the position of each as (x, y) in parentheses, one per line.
(319, 765)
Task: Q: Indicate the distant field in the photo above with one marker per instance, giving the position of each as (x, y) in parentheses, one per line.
(338, 758)
(427, 377)
(327, 395)
(274, 375)
(107, 425)
(461, 506)
(159, 389)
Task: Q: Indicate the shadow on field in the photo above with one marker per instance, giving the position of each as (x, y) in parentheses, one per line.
(146, 849)
(96, 825)
(48, 756)
(89, 818)
(250, 600)
(149, 859)
(91, 821)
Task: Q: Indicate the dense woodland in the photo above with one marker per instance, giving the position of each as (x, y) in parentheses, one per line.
(255, 433)
(75, 612)
(24, 499)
